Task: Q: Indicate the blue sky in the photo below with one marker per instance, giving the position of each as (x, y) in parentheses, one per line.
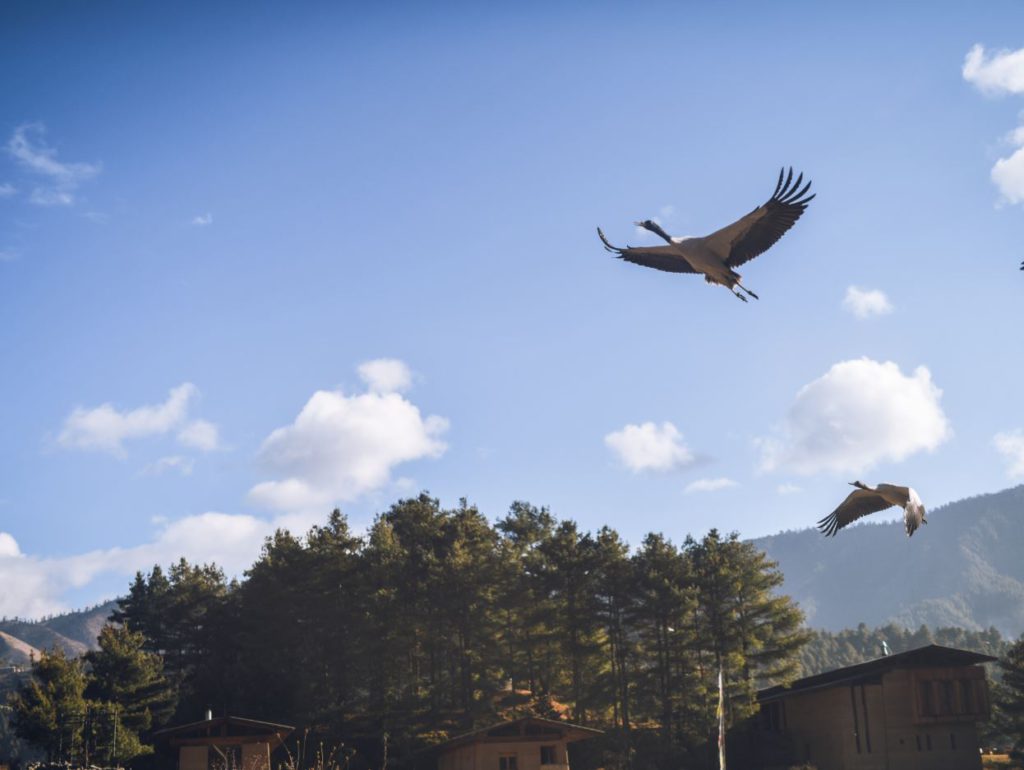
(245, 204)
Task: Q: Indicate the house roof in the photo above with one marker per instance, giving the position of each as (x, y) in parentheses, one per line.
(524, 728)
(210, 730)
(930, 656)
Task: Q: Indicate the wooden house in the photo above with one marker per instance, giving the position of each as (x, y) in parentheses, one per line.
(224, 743)
(528, 743)
(915, 710)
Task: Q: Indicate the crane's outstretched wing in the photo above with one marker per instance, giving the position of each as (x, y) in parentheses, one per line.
(659, 257)
(758, 231)
(860, 502)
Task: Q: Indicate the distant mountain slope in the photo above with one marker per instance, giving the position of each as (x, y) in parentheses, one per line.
(74, 632)
(16, 652)
(966, 569)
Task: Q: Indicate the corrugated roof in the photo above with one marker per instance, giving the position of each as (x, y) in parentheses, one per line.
(930, 656)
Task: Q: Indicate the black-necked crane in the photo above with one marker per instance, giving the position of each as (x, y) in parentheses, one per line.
(865, 500)
(716, 255)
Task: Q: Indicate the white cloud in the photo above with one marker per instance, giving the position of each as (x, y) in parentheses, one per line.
(1011, 446)
(1000, 73)
(183, 465)
(105, 428)
(7, 190)
(710, 485)
(865, 303)
(35, 586)
(7, 256)
(858, 414)
(202, 220)
(200, 434)
(1008, 173)
(341, 446)
(788, 489)
(8, 546)
(386, 375)
(649, 447)
(29, 148)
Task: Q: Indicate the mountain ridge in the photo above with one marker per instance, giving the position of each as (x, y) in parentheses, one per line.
(963, 569)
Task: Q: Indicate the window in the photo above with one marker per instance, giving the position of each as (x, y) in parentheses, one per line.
(947, 696)
(924, 690)
(951, 698)
(967, 697)
(547, 755)
(507, 762)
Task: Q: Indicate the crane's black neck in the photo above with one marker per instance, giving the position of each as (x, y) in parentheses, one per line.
(655, 228)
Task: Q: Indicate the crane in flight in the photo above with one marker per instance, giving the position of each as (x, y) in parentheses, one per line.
(865, 500)
(717, 255)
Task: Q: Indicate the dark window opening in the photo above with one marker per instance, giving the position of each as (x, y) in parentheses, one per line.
(547, 755)
(952, 741)
(927, 703)
(507, 762)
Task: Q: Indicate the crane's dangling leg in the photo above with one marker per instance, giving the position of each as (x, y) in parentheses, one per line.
(748, 291)
(739, 295)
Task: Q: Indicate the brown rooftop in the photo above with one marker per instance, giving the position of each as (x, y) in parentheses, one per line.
(930, 656)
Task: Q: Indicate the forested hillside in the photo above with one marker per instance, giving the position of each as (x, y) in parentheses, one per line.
(826, 650)
(963, 569)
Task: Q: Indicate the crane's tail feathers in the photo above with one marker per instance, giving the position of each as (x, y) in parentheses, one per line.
(607, 245)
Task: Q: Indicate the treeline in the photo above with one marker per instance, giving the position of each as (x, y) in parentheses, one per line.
(826, 650)
(437, 621)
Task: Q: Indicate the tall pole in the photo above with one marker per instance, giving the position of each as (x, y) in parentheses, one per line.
(721, 721)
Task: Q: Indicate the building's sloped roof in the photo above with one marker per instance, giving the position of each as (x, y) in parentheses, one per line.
(524, 727)
(931, 656)
(224, 726)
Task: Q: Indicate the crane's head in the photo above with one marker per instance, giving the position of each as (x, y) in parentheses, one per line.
(654, 227)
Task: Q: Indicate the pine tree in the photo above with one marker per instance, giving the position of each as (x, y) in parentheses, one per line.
(124, 674)
(1008, 698)
(48, 711)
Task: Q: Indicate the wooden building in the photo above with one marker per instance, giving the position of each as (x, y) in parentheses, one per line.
(528, 743)
(915, 710)
(224, 743)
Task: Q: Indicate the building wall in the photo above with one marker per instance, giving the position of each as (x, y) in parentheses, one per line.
(485, 755)
(881, 726)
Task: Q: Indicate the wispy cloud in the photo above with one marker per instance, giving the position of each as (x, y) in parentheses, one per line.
(6, 255)
(1011, 446)
(200, 434)
(866, 303)
(649, 447)
(7, 190)
(183, 465)
(106, 428)
(788, 489)
(35, 586)
(28, 146)
(202, 220)
(1001, 72)
(710, 485)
